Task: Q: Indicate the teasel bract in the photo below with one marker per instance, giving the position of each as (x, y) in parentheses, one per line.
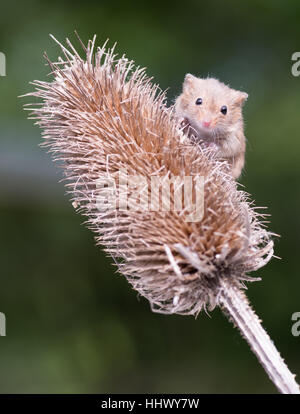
(109, 128)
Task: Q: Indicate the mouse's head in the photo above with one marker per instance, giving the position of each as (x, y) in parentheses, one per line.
(210, 107)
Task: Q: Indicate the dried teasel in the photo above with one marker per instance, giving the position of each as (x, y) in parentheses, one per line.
(111, 131)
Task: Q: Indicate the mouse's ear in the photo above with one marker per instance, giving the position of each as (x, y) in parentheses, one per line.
(240, 97)
(189, 79)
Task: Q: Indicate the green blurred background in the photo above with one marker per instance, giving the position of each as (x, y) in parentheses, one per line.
(73, 325)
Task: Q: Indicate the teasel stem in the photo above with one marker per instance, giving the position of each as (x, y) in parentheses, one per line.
(236, 306)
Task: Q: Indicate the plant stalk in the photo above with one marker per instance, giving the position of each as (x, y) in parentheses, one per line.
(236, 305)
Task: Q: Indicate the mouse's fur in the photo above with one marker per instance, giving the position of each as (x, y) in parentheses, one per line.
(226, 132)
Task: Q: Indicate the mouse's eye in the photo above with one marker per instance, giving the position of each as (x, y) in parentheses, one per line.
(224, 109)
(199, 101)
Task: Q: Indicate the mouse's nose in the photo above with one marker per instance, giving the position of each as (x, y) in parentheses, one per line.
(206, 123)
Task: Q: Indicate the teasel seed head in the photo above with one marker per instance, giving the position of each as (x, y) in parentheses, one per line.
(105, 121)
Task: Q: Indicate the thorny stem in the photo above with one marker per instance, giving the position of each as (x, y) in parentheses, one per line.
(235, 304)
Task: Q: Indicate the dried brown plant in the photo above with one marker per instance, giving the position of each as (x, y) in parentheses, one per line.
(104, 120)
